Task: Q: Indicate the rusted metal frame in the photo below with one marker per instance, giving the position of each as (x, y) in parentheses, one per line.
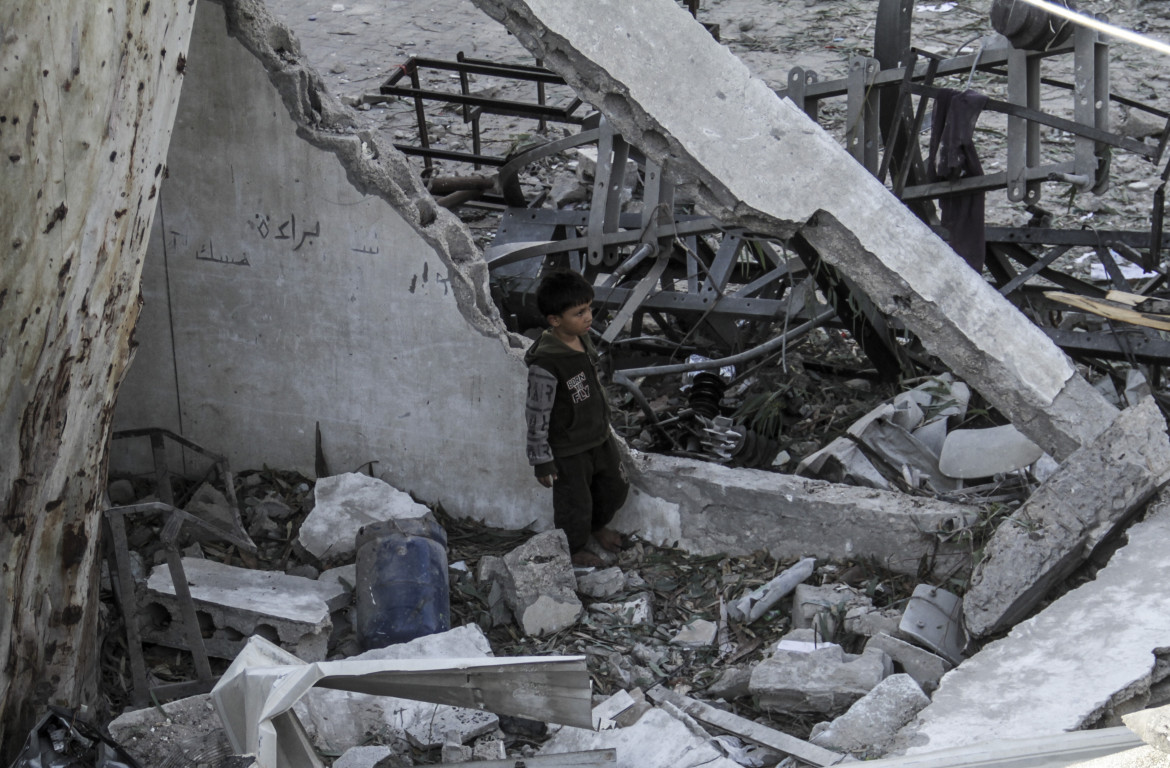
(1021, 255)
(605, 204)
(174, 519)
(473, 66)
(984, 183)
(622, 237)
(489, 105)
(1037, 117)
(682, 304)
(1083, 237)
(906, 146)
(799, 79)
(1105, 345)
(959, 65)
(1034, 269)
(510, 170)
(861, 132)
(1090, 105)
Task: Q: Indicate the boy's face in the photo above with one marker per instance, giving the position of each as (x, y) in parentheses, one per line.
(574, 321)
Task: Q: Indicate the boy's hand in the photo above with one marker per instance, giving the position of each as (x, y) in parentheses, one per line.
(547, 481)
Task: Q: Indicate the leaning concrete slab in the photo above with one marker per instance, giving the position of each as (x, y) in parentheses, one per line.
(1096, 490)
(1071, 665)
(709, 508)
(754, 160)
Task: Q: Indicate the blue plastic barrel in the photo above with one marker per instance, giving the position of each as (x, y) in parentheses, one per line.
(402, 590)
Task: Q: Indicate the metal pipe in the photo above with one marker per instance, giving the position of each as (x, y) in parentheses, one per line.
(744, 356)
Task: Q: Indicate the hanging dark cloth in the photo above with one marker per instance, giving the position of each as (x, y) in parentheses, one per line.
(953, 156)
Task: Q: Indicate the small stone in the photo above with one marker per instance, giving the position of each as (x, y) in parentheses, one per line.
(698, 633)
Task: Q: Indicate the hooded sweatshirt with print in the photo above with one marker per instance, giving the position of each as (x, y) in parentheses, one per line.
(566, 411)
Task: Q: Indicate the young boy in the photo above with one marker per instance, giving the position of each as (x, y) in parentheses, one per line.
(569, 440)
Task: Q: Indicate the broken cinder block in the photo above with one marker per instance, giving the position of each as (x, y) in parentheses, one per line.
(236, 603)
(1098, 488)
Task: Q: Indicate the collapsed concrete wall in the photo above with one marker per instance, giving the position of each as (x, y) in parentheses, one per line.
(299, 274)
(754, 160)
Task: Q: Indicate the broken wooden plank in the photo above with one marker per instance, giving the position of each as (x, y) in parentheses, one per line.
(1118, 305)
(746, 729)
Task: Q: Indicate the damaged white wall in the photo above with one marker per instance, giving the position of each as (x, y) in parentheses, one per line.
(282, 290)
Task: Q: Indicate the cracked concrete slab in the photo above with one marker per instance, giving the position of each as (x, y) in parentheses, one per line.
(773, 170)
(1088, 655)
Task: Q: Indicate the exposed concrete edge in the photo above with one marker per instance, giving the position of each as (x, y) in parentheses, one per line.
(710, 509)
(373, 166)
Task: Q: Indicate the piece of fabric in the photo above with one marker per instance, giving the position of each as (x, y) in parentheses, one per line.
(565, 411)
(590, 488)
(953, 156)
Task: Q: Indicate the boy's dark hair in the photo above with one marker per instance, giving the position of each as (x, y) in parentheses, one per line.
(562, 290)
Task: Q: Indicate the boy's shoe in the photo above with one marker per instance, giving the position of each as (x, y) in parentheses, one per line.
(609, 540)
(586, 559)
(593, 547)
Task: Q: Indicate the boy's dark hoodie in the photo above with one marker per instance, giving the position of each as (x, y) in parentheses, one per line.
(566, 409)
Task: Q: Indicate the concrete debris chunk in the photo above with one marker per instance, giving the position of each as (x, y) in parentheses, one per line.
(539, 586)
(603, 582)
(735, 511)
(1097, 489)
(823, 608)
(870, 621)
(759, 601)
(825, 680)
(1122, 616)
(173, 733)
(925, 667)
(210, 505)
(236, 603)
(868, 727)
(364, 757)
(1152, 725)
(343, 504)
(656, 740)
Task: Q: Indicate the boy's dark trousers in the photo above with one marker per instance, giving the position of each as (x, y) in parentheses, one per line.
(589, 489)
